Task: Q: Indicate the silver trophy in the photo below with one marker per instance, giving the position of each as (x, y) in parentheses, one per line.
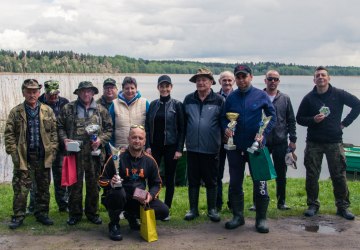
(93, 130)
(263, 124)
(232, 125)
(115, 152)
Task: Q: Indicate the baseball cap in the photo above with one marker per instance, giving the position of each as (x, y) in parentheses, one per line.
(31, 84)
(51, 87)
(242, 68)
(164, 78)
(109, 81)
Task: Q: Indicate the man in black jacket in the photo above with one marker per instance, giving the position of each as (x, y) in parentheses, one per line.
(137, 169)
(321, 111)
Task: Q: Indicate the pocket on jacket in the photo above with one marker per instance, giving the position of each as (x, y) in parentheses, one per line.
(47, 124)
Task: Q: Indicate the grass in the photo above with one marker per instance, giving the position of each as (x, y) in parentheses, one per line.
(296, 199)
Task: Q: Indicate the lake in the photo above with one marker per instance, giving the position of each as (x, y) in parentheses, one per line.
(295, 86)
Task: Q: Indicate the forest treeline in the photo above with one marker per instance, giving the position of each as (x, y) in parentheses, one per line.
(71, 62)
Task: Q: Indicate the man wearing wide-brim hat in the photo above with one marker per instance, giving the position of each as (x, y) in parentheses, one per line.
(203, 139)
(72, 123)
(31, 140)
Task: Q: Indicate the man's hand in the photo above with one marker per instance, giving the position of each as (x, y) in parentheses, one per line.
(177, 155)
(96, 144)
(292, 145)
(148, 198)
(319, 117)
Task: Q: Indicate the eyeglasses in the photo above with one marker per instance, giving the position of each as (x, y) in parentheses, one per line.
(137, 126)
(270, 79)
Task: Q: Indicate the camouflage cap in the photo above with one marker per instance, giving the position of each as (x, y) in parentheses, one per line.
(52, 87)
(109, 81)
(31, 84)
(86, 85)
(203, 72)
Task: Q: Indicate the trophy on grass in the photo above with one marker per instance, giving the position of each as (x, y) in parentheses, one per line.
(93, 130)
(263, 124)
(115, 152)
(232, 125)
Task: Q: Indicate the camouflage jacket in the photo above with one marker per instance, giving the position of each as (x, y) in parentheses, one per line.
(16, 130)
(68, 128)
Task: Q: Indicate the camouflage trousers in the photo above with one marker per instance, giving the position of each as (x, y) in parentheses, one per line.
(22, 182)
(61, 193)
(88, 166)
(335, 156)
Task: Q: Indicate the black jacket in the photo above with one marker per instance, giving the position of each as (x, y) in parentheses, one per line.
(328, 130)
(174, 123)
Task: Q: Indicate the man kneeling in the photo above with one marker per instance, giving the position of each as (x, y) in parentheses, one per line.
(136, 168)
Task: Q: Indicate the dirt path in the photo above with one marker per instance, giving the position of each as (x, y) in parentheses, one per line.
(321, 232)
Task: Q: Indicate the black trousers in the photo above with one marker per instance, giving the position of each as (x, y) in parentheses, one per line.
(118, 200)
(202, 167)
(167, 152)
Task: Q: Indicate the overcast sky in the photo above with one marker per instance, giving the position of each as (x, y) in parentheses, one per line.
(312, 32)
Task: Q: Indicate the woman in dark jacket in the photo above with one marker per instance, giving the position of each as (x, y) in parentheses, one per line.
(165, 132)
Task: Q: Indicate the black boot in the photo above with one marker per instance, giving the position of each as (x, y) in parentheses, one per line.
(211, 203)
(133, 221)
(16, 222)
(261, 209)
(114, 227)
(237, 203)
(194, 202)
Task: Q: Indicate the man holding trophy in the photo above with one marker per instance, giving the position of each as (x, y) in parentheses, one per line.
(90, 126)
(249, 104)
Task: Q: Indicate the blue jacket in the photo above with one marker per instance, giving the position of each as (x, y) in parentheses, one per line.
(202, 119)
(249, 105)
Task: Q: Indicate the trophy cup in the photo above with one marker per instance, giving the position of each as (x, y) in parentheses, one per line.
(232, 125)
(263, 124)
(115, 152)
(93, 130)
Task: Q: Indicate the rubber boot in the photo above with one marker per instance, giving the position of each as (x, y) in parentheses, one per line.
(194, 202)
(237, 203)
(211, 194)
(114, 227)
(261, 209)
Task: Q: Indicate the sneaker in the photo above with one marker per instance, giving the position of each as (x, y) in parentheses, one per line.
(166, 218)
(311, 211)
(45, 220)
(283, 207)
(252, 208)
(15, 222)
(96, 220)
(345, 214)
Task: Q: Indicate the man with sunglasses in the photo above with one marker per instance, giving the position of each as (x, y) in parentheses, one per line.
(249, 102)
(137, 169)
(277, 140)
(31, 140)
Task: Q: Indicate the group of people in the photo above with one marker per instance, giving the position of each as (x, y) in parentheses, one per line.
(39, 131)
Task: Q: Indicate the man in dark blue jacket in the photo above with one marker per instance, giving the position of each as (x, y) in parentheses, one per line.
(321, 111)
(249, 102)
(203, 139)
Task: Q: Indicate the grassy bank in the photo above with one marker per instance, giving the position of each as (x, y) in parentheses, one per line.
(296, 199)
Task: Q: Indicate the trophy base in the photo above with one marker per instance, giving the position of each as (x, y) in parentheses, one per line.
(251, 150)
(96, 152)
(230, 147)
(117, 185)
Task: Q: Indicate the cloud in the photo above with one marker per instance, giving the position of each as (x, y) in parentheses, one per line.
(302, 32)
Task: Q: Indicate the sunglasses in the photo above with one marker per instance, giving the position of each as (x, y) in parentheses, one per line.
(270, 79)
(137, 126)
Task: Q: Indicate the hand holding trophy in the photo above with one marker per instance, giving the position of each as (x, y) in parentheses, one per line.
(93, 130)
(116, 158)
(263, 124)
(232, 125)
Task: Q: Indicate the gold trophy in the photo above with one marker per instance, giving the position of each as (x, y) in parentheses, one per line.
(116, 158)
(232, 125)
(263, 124)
